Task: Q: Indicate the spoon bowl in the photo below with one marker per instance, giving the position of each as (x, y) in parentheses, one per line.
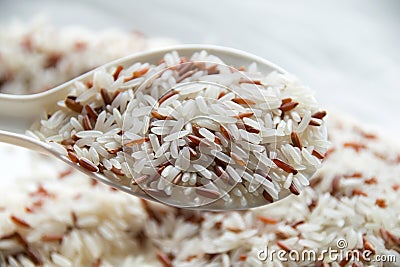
(19, 112)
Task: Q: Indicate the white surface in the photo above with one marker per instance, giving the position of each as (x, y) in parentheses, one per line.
(347, 51)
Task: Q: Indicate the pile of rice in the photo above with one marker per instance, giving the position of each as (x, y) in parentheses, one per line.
(58, 217)
(37, 56)
(192, 131)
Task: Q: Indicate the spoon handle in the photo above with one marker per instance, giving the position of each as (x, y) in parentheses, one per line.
(23, 141)
(17, 112)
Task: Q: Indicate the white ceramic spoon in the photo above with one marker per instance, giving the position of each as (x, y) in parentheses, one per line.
(19, 112)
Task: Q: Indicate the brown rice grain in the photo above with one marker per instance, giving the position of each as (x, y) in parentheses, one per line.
(88, 165)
